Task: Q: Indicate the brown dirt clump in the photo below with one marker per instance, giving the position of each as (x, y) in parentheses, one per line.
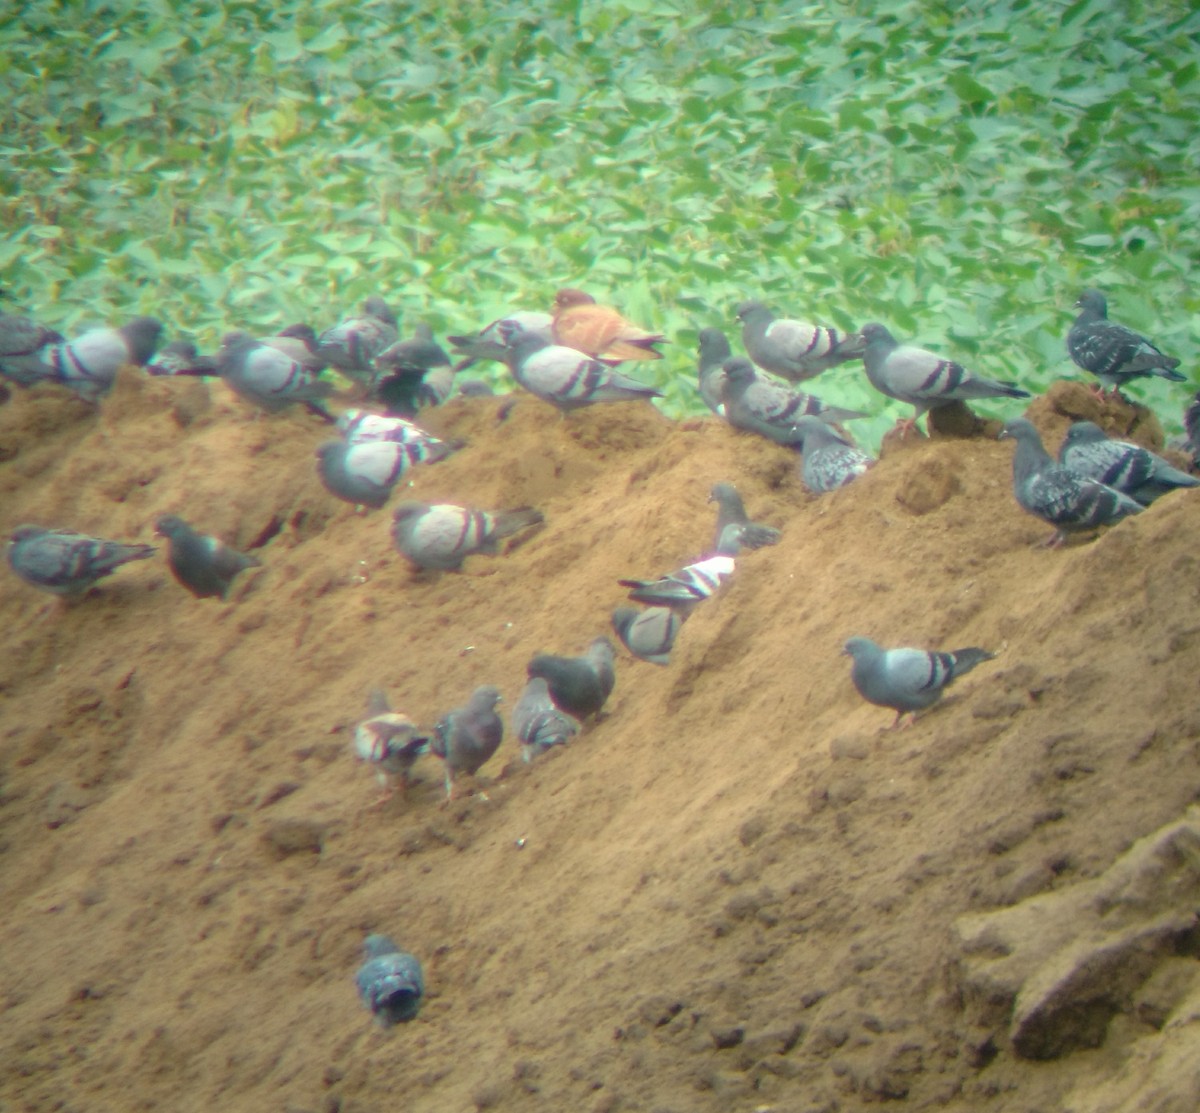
(735, 892)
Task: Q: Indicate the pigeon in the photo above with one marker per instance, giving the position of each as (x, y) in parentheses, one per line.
(181, 358)
(298, 342)
(829, 461)
(1068, 501)
(794, 349)
(768, 408)
(1127, 467)
(88, 364)
(598, 331)
(467, 736)
(568, 379)
(362, 427)
(649, 633)
(413, 373)
(694, 583)
(353, 343)
(907, 680)
(578, 685)
(538, 723)
(493, 341)
(67, 563)
(1191, 425)
(365, 474)
(389, 982)
(22, 344)
(714, 351)
(731, 512)
(262, 374)
(923, 379)
(442, 536)
(1116, 355)
(389, 741)
(202, 563)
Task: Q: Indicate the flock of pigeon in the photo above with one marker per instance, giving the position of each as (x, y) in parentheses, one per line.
(569, 358)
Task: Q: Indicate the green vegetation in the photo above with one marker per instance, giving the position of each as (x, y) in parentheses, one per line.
(958, 175)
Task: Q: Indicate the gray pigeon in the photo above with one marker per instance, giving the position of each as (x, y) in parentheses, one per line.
(299, 343)
(412, 374)
(794, 349)
(67, 563)
(829, 461)
(1116, 355)
(1191, 425)
(578, 685)
(1129, 468)
(1068, 501)
(923, 379)
(442, 536)
(361, 427)
(202, 563)
(568, 379)
(365, 474)
(731, 512)
(714, 351)
(770, 409)
(538, 723)
(389, 741)
(262, 374)
(693, 583)
(390, 982)
(22, 344)
(648, 633)
(353, 343)
(88, 364)
(492, 342)
(467, 736)
(907, 680)
(181, 358)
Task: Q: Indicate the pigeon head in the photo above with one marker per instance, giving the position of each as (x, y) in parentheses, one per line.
(374, 946)
(484, 698)
(376, 307)
(141, 334)
(1020, 429)
(168, 525)
(739, 371)
(749, 309)
(23, 533)
(1085, 432)
(725, 494)
(523, 344)
(304, 333)
(566, 298)
(330, 449)
(712, 341)
(875, 333)
(1094, 302)
(860, 649)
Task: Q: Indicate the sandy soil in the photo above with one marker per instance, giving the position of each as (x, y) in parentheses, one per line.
(735, 892)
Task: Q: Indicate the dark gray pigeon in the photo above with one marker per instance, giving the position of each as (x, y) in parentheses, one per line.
(390, 742)
(22, 345)
(568, 379)
(442, 536)
(262, 374)
(538, 723)
(1191, 425)
(89, 363)
(1068, 501)
(412, 374)
(353, 343)
(202, 563)
(794, 349)
(907, 680)
(770, 409)
(732, 512)
(365, 474)
(467, 736)
(492, 342)
(1127, 467)
(648, 633)
(67, 563)
(390, 982)
(181, 358)
(921, 378)
(578, 685)
(714, 351)
(1116, 355)
(829, 461)
(694, 583)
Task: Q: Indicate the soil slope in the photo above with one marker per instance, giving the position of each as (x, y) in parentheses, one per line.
(737, 891)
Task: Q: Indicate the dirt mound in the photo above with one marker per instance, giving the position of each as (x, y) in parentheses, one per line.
(735, 892)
